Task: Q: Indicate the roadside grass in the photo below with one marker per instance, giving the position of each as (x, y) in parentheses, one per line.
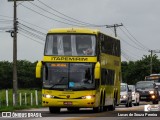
(12, 108)
(27, 105)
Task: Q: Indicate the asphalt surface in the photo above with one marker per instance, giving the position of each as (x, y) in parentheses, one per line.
(121, 113)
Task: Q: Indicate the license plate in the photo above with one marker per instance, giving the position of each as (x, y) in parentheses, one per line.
(143, 97)
(67, 103)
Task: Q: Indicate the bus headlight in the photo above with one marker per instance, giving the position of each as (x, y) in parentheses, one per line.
(48, 96)
(88, 97)
(151, 92)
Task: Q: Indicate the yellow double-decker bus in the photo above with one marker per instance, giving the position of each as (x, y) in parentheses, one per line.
(81, 68)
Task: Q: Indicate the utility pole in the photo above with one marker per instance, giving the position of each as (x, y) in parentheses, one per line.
(151, 60)
(115, 27)
(15, 81)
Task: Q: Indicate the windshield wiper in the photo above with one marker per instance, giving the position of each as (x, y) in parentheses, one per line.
(82, 87)
(59, 82)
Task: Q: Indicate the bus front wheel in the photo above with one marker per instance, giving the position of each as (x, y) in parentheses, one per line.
(73, 109)
(96, 109)
(54, 109)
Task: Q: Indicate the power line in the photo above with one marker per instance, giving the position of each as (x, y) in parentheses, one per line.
(135, 38)
(34, 30)
(81, 22)
(33, 24)
(57, 15)
(142, 47)
(131, 53)
(128, 42)
(31, 38)
(25, 22)
(115, 27)
(50, 17)
(127, 57)
(4, 20)
(131, 44)
(6, 27)
(124, 54)
(6, 16)
(32, 34)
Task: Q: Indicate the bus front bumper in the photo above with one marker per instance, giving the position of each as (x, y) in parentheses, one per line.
(64, 103)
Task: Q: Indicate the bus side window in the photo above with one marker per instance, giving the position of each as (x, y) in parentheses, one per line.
(102, 44)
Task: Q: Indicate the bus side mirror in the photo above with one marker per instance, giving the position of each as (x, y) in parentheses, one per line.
(97, 71)
(38, 69)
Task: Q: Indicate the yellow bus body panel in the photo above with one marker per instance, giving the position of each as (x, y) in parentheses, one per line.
(113, 63)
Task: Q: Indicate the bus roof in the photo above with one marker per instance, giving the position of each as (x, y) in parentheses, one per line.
(78, 30)
(74, 30)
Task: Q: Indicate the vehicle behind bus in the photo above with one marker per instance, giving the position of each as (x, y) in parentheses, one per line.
(148, 91)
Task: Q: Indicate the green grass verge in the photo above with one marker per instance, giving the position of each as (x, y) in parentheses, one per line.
(10, 107)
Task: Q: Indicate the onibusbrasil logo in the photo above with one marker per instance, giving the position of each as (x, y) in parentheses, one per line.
(21, 114)
(151, 107)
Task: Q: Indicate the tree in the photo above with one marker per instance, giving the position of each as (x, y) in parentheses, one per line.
(133, 72)
(5, 74)
(25, 73)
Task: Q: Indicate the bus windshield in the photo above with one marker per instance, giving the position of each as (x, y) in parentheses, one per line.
(64, 76)
(70, 45)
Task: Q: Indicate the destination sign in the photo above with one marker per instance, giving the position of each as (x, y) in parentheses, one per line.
(69, 59)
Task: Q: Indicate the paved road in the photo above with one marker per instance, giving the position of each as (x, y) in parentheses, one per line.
(86, 114)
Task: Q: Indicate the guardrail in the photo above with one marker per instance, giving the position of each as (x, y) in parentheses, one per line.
(27, 98)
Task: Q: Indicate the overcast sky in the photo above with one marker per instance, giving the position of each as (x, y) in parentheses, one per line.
(141, 20)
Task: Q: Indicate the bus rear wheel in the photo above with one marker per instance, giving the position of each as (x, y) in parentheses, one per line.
(112, 107)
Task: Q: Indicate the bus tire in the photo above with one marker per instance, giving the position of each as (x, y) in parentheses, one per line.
(75, 109)
(100, 107)
(54, 109)
(130, 104)
(116, 98)
(155, 102)
(96, 109)
(112, 107)
(127, 104)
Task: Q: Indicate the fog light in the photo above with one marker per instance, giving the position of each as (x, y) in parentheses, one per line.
(153, 96)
